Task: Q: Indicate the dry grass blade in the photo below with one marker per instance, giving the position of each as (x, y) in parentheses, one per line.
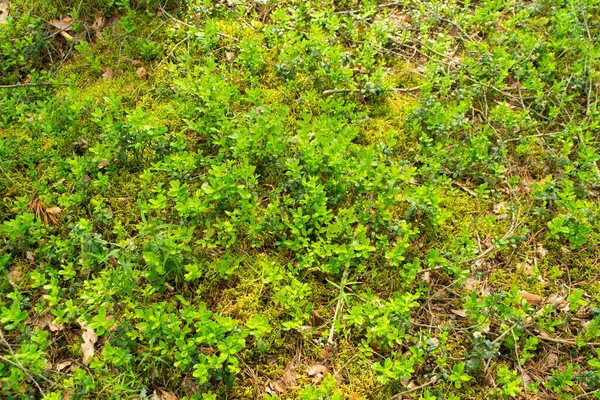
(46, 214)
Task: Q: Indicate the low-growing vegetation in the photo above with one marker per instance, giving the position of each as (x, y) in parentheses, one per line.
(351, 199)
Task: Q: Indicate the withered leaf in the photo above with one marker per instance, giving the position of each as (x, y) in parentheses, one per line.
(541, 251)
(460, 313)
(4, 7)
(53, 210)
(63, 24)
(532, 299)
(141, 72)
(63, 365)
(108, 73)
(55, 327)
(14, 276)
(89, 339)
(160, 394)
(275, 388)
(288, 378)
(317, 369)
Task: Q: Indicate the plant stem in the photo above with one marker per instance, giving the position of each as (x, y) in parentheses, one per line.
(339, 306)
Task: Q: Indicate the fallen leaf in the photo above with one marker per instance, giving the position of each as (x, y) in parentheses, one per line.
(141, 72)
(63, 365)
(29, 255)
(63, 24)
(550, 361)
(274, 388)
(160, 394)
(542, 252)
(55, 327)
(14, 276)
(137, 63)
(89, 339)
(288, 378)
(4, 7)
(103, 164)
(453, 32)
(555, 300)
(426, 277)
(317, 369)
(98, 24)
(500, 209)
(230, 56)
(305, 329)
(53, 210)
(472, 284)
(532, 299)
(108, 73)
(460, 313)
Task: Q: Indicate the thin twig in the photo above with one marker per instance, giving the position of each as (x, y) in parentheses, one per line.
(396, 90)
(18, 85)
(564, 341)
(398, 395)
(338, 306)
(588, 394)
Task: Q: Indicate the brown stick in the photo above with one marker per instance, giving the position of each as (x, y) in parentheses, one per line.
(18, 85)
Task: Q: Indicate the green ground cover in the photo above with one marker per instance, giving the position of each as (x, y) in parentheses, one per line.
(299, 199)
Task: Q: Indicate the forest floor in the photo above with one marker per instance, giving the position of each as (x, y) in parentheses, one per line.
(289, 199)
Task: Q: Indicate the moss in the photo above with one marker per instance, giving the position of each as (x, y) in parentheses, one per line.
(387, 125)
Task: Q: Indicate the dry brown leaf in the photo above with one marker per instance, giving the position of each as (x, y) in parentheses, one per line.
(288, 378)
(160, 394)
(541, 251)
(55, 327)
(103, 164)
(108, 73)
(460, 313)
(4, 8)
(89, 339)
(53, 210)
(98, 24)
(141, 72)
(453, 32)
(63, 24)
(137, 63)
(532, 299)
(274, 388)
(550, 361)
(305, 329)
(63, 365)
(426, 277)
(472, 284)
(14, 276)
(555, 300)
(317, 369)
